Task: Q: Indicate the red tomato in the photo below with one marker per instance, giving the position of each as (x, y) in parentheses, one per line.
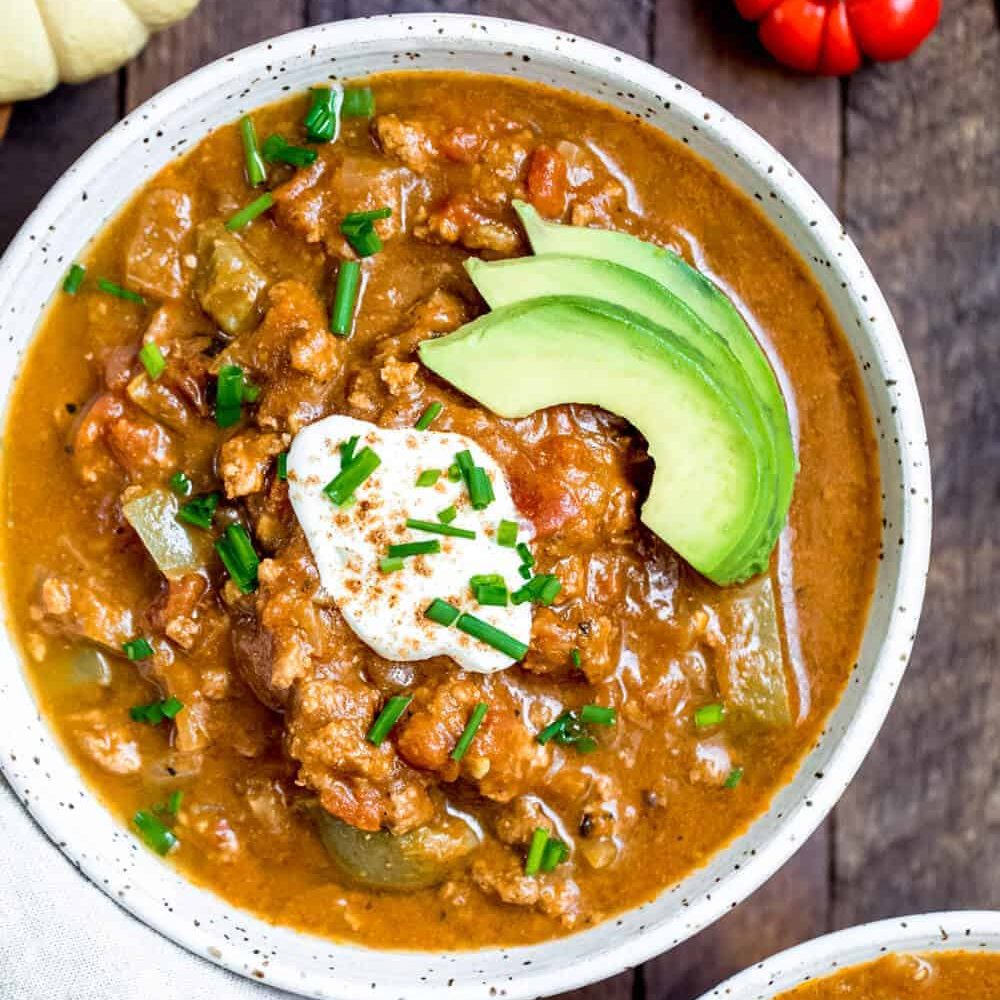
(832, 36)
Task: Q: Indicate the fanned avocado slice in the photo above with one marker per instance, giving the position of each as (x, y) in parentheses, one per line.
(507, 281)
(707, 302)
(571, 349)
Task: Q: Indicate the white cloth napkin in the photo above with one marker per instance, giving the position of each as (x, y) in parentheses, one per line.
(61, 938)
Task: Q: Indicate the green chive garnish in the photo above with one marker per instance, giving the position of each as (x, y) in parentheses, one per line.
(597, 715)
(525, 572)
(283, 466)
(351, 476)
(447, 515)
(468, 734)
(199, 511)
(322, 122)
(278, 150)
(525, 553)
(238, 556)
(415, 549)
(347, 450)
(576, 659)
(390, 564)
(442, 612)
(542, 589)
(229, 391)
(156, 835)
(492, 595)
(480, 489)
(138, 649)
(454, 473)
(735, 777)
(486, 580)
(74, 279)
(121, 293)
(555, 854)
(359, 102)
(354, 219)
(358, 228)
(709, 715)
(174, 802)
(155, 712)
(507, 534)
(345, 298)
(256, 171)
(388, 717)
(429, 416)
(439, 529)
(428, 477)
(554, 728)
(152, 359)
(499, 640)
(536, 851)
(248, 213)
(180, 484)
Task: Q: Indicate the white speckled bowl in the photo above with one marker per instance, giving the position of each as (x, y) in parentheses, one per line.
(969, 930)
(97, 186)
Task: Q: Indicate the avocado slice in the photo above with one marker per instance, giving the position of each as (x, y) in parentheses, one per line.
(506, 281)
(571, 349)
(704, 299)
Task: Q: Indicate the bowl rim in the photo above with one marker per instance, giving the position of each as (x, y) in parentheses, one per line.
(950, 930)
(889, 663)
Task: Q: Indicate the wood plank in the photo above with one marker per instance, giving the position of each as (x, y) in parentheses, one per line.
(920, 827)
(213, 30)
(707, 44)
(336, 10)
(45, 136)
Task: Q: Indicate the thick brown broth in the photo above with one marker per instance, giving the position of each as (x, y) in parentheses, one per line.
(651, 803)
(951, 975)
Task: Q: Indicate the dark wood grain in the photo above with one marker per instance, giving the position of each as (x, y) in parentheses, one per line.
(216, 28)
(919, 828)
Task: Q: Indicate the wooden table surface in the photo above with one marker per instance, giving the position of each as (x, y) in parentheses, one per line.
(909, 156)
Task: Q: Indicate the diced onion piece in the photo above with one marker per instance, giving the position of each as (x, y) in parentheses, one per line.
(90, 666)
(153, 515)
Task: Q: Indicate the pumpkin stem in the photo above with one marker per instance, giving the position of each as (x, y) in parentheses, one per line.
(5, 112)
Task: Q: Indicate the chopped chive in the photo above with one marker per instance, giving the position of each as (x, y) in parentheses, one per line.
(428, 477)
(550, 590)
(407, 549)
(345, 298)
(358, 228)
(480, 489)
(256, 171)
(492, 595)
(525, 571)
(138, 649)
(554, 728)
(447, 515)
(454, 473)
(429, 416)
(388, 717)
(228, 395)
(156, 835)
(322, 121)
(576, 659)
(499, 640)
(152, 359)
(171, 707)
(486, 580)
(121, 293)
(248, 213)
(439, 529)
(536, 851)
(180, 484)
(351, 476)
(709, 715)
(469, 733)
(390, 564)
(542, 589)
(283, 466)
(238, 556)
(359, 102)
(442, 612)
(555, 854)
(155, 712)
(199, 511)
(525, 553)
(585, 744)
(174, 802)
(277, 150)
(360, 218)
(347, 450)
(74, 279)
(735, 777)
(251, 392)
(507, 534)
(597, 715)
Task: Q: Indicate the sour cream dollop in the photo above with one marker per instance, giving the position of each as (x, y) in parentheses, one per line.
(386, 610)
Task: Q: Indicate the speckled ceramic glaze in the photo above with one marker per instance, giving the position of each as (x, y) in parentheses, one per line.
(971, 930)
(97, 186)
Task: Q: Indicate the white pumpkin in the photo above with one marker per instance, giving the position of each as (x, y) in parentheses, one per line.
(44, 42)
